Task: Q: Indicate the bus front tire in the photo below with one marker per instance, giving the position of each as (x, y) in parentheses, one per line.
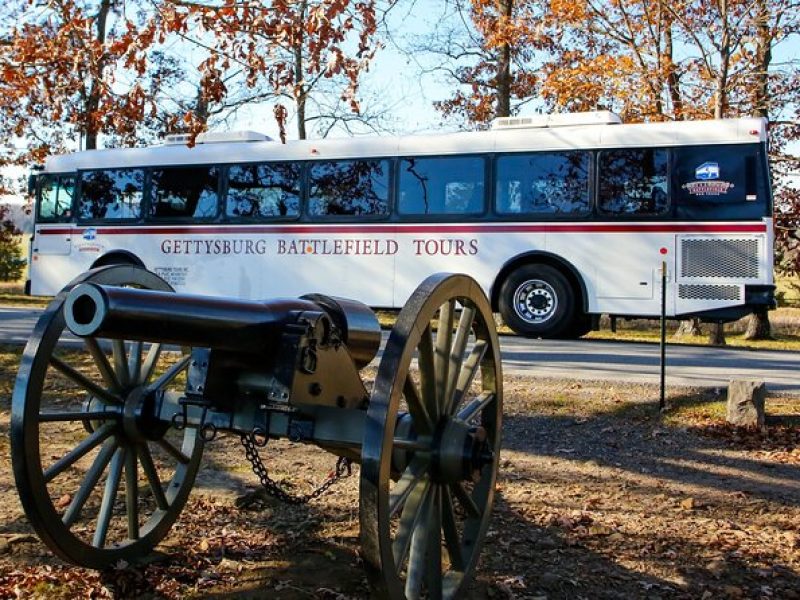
(537, 301)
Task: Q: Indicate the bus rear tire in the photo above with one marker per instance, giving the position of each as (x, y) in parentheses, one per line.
(538, 301)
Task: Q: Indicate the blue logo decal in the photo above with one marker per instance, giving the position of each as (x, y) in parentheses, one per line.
(708, 170)
(90, 234)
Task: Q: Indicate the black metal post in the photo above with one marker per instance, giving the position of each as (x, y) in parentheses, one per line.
(661, 399)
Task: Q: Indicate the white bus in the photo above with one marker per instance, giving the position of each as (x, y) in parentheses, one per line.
(560, 218)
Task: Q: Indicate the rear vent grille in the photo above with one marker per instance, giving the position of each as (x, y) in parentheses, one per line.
(719, 258)
(709, 292)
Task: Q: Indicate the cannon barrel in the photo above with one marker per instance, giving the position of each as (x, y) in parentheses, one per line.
(232, 324)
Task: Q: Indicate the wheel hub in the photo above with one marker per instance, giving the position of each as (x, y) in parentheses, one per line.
(535, 301)
(139, 420)
(462, 452)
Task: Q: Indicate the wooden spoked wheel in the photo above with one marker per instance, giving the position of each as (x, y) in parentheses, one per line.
(431, 443)
(101, 479)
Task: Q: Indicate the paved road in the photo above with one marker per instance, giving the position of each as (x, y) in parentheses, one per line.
(584, 359)
(686, 365)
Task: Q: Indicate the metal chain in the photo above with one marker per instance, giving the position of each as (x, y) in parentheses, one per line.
(343, 469)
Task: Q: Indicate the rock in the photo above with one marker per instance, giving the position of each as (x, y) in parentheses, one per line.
(746, 399)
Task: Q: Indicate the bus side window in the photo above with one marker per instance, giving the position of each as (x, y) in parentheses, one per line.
(189, 192)
(554, 183)
(720, 182)
(350, 187)
(111, 194)
(263, 191)
(633, 182)
(440, 186)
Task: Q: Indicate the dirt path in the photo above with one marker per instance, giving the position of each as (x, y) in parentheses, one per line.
(599, 497)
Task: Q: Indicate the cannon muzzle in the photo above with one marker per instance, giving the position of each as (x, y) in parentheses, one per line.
(93, 310)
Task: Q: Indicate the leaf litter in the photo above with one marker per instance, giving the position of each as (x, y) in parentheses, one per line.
(599, 496)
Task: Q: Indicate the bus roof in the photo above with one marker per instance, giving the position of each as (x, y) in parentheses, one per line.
(516, 139)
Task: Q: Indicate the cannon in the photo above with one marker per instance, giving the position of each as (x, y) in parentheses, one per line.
(123, 382)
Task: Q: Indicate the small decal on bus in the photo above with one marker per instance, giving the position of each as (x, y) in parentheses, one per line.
(708, 170)
(89, 233)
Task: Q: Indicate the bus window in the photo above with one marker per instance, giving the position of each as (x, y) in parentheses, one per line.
(633, 182)
(720, 182)
(112, 194)
(55, 197)
(441, 186)
(189, 192)
(263, 191)
(543, 183)
(351, 187)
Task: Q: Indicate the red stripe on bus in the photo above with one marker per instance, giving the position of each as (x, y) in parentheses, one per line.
(433, 228)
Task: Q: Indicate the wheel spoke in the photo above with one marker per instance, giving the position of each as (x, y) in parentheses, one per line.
(132, 493)
(78, 415)
(83, 448)
(101, 360)
(466, 501)
(433, 568)
(120, 362)
(450, 528)
(152, 477)
(109, 496)
(150, 363)
(89, 482)
(417, 564)
(468, 371)
(135, 362)
(170, 374)
(409, 519)
(173, 451)
(414, 473)
(444, 339)
(427, 373)
(474, 408)
(83, 381)
(419, 414)
(457, 356)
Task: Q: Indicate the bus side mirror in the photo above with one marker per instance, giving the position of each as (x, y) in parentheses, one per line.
(31, 184)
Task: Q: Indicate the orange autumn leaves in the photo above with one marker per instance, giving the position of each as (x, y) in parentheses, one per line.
(74, 68)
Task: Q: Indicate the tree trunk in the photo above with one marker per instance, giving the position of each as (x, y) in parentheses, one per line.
(503, 105)
(301, 90)
(716, 335)
(673, 82)
(92, 100)
(764, 40)
(689, 327)
(758, 326)
(721, 97)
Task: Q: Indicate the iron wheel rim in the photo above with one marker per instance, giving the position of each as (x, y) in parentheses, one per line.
(33, 478)
(386, 553)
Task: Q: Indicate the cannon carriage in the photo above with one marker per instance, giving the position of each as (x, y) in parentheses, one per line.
(108, 428)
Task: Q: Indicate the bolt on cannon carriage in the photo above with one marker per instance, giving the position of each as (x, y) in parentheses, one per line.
(107, 431)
